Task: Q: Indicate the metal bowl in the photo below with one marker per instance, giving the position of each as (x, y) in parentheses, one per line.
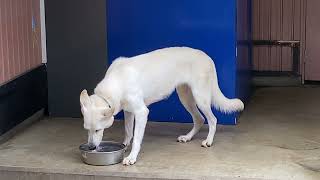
(107, 153)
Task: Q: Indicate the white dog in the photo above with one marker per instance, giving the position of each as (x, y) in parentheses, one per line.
(131, 84)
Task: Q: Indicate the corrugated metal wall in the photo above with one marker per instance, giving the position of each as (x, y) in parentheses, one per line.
(312, 57)
(277, 20)
(20, 43)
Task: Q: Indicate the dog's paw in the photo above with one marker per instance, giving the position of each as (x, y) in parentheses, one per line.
(129, 161)
(206, 143)
(183, 139)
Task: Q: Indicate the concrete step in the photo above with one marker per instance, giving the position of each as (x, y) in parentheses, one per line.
(276, 81)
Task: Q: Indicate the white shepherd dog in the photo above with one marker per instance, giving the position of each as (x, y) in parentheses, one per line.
(131, 84)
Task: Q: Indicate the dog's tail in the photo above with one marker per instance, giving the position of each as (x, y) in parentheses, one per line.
(219, 101)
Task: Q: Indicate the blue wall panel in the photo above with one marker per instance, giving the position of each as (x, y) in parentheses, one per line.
(135, 27)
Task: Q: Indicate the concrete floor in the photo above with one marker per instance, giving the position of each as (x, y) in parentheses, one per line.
(277, 138)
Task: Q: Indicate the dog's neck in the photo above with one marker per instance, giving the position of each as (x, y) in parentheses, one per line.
(105, 100)
(110, 96)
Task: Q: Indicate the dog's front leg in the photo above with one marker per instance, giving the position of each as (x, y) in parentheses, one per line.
(141, 116)
(128, 123)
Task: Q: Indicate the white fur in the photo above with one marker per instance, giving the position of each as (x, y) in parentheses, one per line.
(131, 84)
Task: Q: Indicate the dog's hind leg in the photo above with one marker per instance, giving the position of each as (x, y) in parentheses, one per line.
(202, 96)
(205, 107)
(212, 122)
(186, 98)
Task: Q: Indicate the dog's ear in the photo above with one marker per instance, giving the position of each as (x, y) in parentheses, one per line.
(84, 98)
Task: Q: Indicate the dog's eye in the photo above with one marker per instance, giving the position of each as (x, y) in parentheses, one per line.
(98, 130)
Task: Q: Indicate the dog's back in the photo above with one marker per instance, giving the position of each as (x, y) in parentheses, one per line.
(178, 64)
(159, 72)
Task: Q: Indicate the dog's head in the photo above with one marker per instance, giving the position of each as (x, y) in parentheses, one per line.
(97, 115)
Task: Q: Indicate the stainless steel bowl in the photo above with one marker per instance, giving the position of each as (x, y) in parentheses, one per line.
(107, 153)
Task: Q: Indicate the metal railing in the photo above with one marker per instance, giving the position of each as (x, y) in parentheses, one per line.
(295, 45)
